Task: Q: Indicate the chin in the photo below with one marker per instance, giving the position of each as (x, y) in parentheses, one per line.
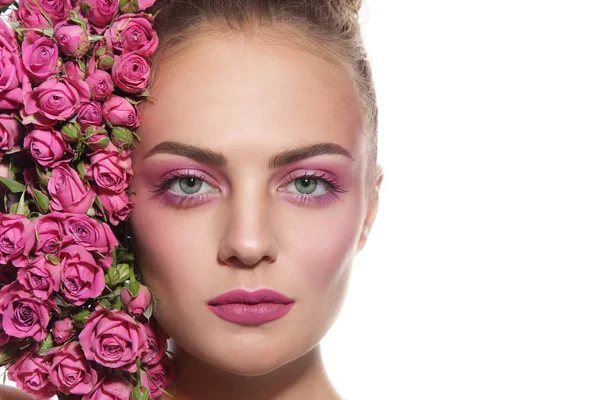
(251, 359)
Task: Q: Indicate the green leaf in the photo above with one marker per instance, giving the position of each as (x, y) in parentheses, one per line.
(148, 311)
(134, 288)
(22, 207)
(12, 185)
(53, 259)
(85, 7)
(82, 316)
(104, 217)
(108, 61)
(81, 169)
(41, 200)
(46, 344)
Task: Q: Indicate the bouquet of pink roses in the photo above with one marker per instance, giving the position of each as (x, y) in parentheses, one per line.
(74, 319)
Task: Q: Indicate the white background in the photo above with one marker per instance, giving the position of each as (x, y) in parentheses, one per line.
(480, 279)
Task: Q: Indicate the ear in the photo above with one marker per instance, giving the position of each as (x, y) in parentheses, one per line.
(372, 208)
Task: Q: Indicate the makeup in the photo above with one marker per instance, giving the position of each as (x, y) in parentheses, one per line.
(251, 308)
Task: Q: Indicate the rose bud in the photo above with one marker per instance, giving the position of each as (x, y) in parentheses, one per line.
(117, 207)
(73, 70)
(101, 85)
(62, 330)
(90, 114)
(138, 304)
(71, 132)
(100, 13)
(106, 61)
(97, 142)
(72, 39)
(118, 111)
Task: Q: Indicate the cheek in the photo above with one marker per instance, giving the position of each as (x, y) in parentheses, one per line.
(323, 245)
(169, 248)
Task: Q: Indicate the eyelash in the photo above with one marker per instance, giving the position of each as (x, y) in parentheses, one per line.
(162, 189)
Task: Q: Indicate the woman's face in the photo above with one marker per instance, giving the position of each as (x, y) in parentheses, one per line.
(221, 202)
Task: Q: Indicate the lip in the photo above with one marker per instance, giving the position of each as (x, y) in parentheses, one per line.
(250, 308)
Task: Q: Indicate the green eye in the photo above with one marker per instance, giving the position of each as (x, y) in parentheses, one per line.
(306, 185)
(190, 185)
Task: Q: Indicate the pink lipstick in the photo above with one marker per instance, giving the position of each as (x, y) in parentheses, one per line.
(251, 308)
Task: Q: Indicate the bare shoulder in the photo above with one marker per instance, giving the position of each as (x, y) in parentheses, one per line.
(11, 393)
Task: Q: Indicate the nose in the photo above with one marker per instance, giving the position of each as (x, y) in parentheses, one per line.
(248, 238)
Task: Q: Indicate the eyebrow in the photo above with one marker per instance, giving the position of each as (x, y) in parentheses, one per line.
(218, 160)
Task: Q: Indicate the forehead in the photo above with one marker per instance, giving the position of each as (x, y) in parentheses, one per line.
(228, 89)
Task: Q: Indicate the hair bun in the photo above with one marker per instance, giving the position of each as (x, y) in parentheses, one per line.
(352, 5)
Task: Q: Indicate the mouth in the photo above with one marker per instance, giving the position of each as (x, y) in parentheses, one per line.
(251, 308)
(241, 296)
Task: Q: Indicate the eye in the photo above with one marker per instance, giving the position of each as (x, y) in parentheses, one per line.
(309, 186)
(188, 185)
(186, 189)
(312, 189)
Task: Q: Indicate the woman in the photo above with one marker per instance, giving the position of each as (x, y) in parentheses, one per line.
(256, 171)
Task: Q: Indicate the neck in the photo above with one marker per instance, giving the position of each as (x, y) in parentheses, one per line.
(303, 378)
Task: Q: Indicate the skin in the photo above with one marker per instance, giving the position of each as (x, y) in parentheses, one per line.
(249, 99)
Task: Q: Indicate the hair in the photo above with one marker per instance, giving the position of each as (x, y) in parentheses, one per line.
(328, 27)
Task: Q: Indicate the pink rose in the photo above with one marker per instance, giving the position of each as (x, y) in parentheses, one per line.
(131, 72)
(110, 387)
(73, 71)
(134, 32)
(62, 330)
(31, 17)
(90, 114)
(118, 111)
(72, 39)
(71, 372)
(116, 206)
(68, 192)
(110, 170)
(11, 132)
(48, 147)
(101, 85)
(23, 315)
(158, 376)
(31, 374)
(8, 39)
(17, 238)
(82, 278)
(101, 13)
(113, 339)
(41, 277)
(40, 59)
(53, 101)
(157, 343)
(138, 304)
(95, 236)
(50, 232)
(11, 76)
(57, 10)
